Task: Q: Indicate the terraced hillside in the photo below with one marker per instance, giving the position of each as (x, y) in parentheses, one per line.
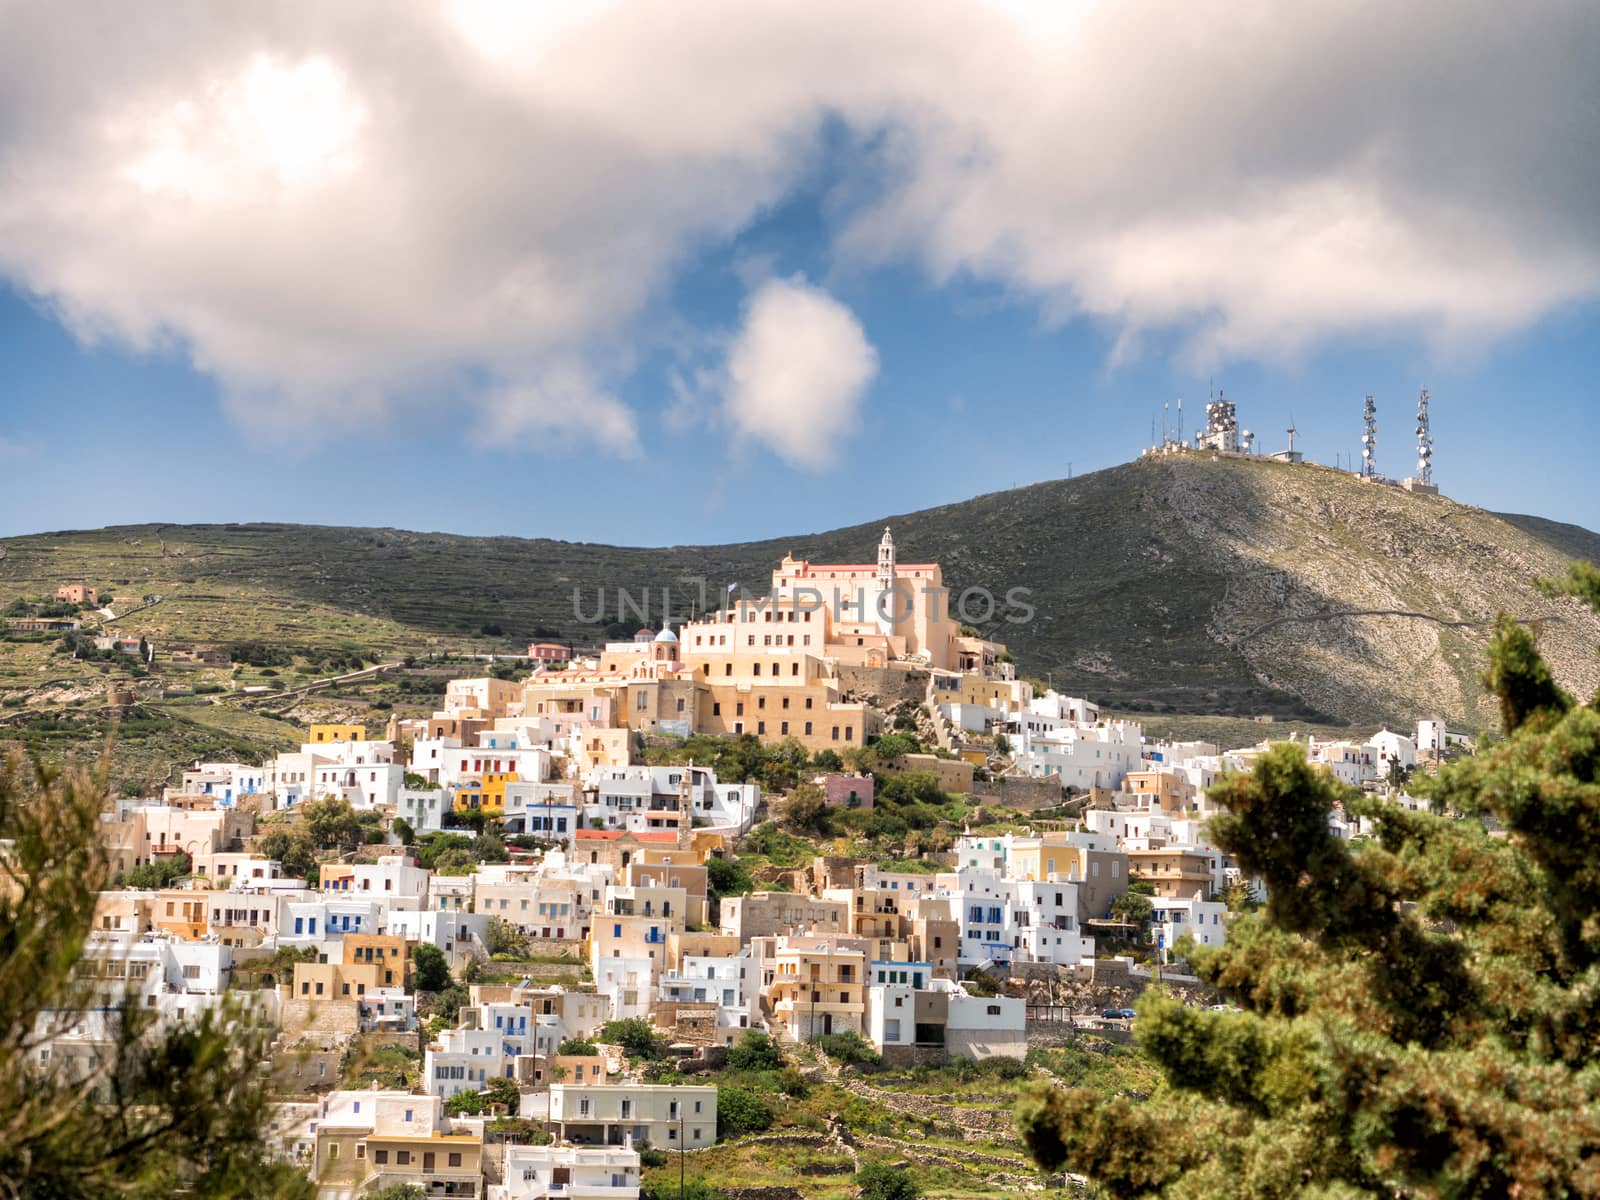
(1184, 585)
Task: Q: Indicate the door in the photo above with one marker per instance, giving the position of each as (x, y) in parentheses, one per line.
(827, 1024)
(427, 1160)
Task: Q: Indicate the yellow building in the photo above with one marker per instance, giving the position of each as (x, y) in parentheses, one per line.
(383, 951)
(485, 794)
(182, 912)
(338, 733)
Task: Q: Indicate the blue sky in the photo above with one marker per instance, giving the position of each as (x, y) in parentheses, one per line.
(624, 324)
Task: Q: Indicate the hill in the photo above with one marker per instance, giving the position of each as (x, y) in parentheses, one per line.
(1181, 585)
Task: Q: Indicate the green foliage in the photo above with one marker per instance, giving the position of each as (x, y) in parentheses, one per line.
(1418, 1012)
(364, 1065)
(291, 846)
(427, 850)
(667, 1189)
(398, 1191)
(741, 1111)
(577, 1046)
(331, 824)
(404, 830)
(879, 1182)
(165, 1108)
(755, 1051)
(804, 812)
(637, 1037)
(502, 937)
(727, 877)
(849, 1048)
(448, 1003)
(783, 849)
(892, 747)
(827, 760)
(430, 970)
(497, 1092)
(163, 872)
(260, 654)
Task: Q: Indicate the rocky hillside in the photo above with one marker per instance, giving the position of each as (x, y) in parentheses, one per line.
(1184, 585)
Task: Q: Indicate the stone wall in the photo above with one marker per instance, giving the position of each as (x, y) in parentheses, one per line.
(1025, 793)
(902, 1057)
(884, 687)
(320, 1015)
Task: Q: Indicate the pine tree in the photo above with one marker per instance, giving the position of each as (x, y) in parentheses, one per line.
(161, 1109)
(1421, 1013)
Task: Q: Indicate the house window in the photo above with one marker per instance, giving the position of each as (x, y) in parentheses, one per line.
(380, 1156)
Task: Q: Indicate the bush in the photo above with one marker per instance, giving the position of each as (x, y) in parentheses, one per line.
(637, 1037)
(431, 970)
(447, 1005)
(159, 874)
(878, 1182)
(755, 1051)
(577, 1046)
(849, 1048)
(741, 1111)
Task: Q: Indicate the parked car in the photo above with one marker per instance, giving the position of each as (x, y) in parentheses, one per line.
(1117, 1014)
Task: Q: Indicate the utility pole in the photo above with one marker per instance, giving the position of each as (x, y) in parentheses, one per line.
(680, 1150)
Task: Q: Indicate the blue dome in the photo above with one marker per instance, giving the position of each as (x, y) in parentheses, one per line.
(666, 635)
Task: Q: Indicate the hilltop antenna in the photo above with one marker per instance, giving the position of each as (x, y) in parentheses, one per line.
(1424, 441)
(1291, 432)
(1222, 427)
(1369, 440)
(1165, 406)
(1180, 419)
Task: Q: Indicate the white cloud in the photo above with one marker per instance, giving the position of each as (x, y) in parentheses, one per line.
(565, 403)
(346, 211)
(796, 373)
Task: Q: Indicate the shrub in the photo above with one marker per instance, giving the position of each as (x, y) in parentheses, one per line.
(741, 1111)
(849, 1048)
(637, 1037)
(755, 1051)
(431, 971)
(878, 1182)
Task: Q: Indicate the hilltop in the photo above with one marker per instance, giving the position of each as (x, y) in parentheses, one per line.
(1182, 585)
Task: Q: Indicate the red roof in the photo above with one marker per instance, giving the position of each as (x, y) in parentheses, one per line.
(611, 835)
(865, 568)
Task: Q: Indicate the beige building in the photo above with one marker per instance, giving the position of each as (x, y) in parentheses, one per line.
(371, 1140)
(1176, 873)
(767, 914)
(817, 986)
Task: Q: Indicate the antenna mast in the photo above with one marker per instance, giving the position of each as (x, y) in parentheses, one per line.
(1369, 440)
(1424, 441)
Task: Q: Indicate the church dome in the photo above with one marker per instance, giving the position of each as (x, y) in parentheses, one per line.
(666, 635)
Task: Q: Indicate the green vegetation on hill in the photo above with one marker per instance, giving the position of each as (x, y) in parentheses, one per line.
(1178, 586)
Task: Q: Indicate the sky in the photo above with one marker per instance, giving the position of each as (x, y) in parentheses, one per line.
(657, 274)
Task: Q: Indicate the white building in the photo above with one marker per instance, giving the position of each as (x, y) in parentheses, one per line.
(731, 983)
(568, 1173)
(601, 1114)
(1080, 756)
(1388, 747)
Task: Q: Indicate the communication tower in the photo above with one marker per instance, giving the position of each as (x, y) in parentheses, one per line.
(1222, 427)
(1424, 441)
(1369, 441)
